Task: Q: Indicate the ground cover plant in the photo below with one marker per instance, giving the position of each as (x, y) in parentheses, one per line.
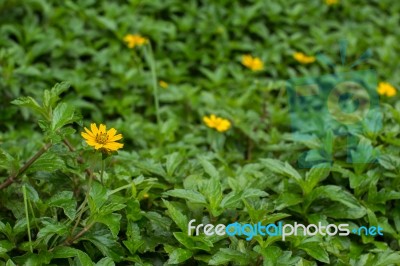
(122, 121)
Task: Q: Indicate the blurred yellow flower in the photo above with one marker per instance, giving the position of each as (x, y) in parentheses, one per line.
(331, 2)
(302, 58)
(163, 84)
(133, 40)
(253, 63)
(385, 88)
(100, 138)
(220, 124)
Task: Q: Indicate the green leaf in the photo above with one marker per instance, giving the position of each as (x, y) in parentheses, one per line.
(231, 200)
(50, 229)
(105, 242)
(208, 167)
(10, 263)
(314, 176)
(66, 201)
(97, 196)
(6, 160)
(288, 199)
(180, 219)
(386, 258)
(179, 255)
(63, 114)
(47, 162)
(84, 258)
(315, 250)
(193, 242)
(31, 104)
(157, 219)
(50, 98)
(337, 194)
(173, 161)
(225, 255)
(5, 246)
(271, 254)
(190, 195)
(213, 192)
(151, 167)
(105, 262)
(134, 241)
(281, 168)
(112, 221)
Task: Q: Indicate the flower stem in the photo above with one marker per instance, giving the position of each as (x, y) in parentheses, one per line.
(103, 165)
(151, 62)
(82, 208)
(12, 178)
(27, 217)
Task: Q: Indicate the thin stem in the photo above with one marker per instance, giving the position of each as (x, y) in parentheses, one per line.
(27, 217)
(103, 165)
(33, 214)
(82, 210)
(150, 59)
(82, 207)
(12, 178)
(120, 188)
(84, 230)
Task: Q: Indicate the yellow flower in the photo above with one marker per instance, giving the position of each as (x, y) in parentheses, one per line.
(100, 138)
(385, 88)
(133, 40)
(302, 58)
(163, 84)
(253, 63)
(331, 2)
(218, 123)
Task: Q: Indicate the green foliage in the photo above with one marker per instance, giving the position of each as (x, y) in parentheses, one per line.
(57, 205)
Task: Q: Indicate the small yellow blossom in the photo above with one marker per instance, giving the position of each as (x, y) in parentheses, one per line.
(253, 63)
(163, 84)
(304, 59)
(133, 40)
(331, 2)
(220, 124)
(100, 138)
(385, 88)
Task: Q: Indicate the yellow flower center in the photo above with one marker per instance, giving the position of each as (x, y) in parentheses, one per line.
(101, 138)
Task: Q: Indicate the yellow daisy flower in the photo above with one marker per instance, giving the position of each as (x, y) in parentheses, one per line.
(100, 138)
(163, 84)
(385, 88)
(302, 58)
(253, 63)
(220, 124)
(331, 2)
(133, 40)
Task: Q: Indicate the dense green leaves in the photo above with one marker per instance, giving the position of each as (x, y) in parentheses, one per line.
(133, 207)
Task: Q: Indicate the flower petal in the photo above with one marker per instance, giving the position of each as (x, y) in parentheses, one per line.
(115, 138)
(113, 146)
(91, 143)
(94, 129)
(98, 146)
(87, 136)
(111, 133)
(102, 129)
(89, 132)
